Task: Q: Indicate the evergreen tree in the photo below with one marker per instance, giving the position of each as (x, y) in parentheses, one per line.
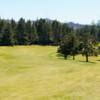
(2, 25)
(56, 31)
(88, 46)
(22, 36)
(13, 26)
(42, 31)
(7, 38)
(28, 30)
(68, 46)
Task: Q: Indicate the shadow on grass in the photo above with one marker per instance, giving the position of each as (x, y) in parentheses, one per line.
(59, 56)
(98, 60)
(70, 59)
(90, 62)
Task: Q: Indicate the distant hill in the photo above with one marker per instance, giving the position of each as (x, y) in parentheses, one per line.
(70, 24)
(75, 25)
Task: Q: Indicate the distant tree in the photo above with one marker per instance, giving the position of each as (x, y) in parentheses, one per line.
(56, 31)
(28, 31)
(65, 29)
(2, 25)
(94, 31)
(98, 22)
(68, 46)
(21, 34)
(98, 33)
(88, 46)
(13, 26)
(43, 31)
(7, 38)
(74, 45)
(33, 37)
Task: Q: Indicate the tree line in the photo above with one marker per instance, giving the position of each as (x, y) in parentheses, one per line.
(42, 31)
(71, 41)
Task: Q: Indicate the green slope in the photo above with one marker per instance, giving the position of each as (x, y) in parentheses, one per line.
(36, 73)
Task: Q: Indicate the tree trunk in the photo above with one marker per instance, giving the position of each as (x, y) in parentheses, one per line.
(73, 57)
(87, 58)
(65, 57)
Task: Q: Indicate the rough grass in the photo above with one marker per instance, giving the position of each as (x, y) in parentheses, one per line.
(36, 73)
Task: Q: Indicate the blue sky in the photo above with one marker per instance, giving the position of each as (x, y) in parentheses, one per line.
(81, 11)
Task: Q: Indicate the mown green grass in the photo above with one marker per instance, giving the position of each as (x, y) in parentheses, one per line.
(36, 73)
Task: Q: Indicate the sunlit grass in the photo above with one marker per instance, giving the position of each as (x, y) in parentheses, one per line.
(36, 73)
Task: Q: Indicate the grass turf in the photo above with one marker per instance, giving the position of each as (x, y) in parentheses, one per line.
(36, 73)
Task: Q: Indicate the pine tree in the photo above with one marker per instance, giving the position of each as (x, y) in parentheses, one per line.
(22, 37)
(13, 26)
(68, 46)
(56, 32)
(88, 46)
(42, 31)
(7, 38)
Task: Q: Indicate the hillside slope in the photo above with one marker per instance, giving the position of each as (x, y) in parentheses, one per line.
(36, 73)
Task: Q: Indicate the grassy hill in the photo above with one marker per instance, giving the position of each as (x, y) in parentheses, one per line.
(36, 73)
